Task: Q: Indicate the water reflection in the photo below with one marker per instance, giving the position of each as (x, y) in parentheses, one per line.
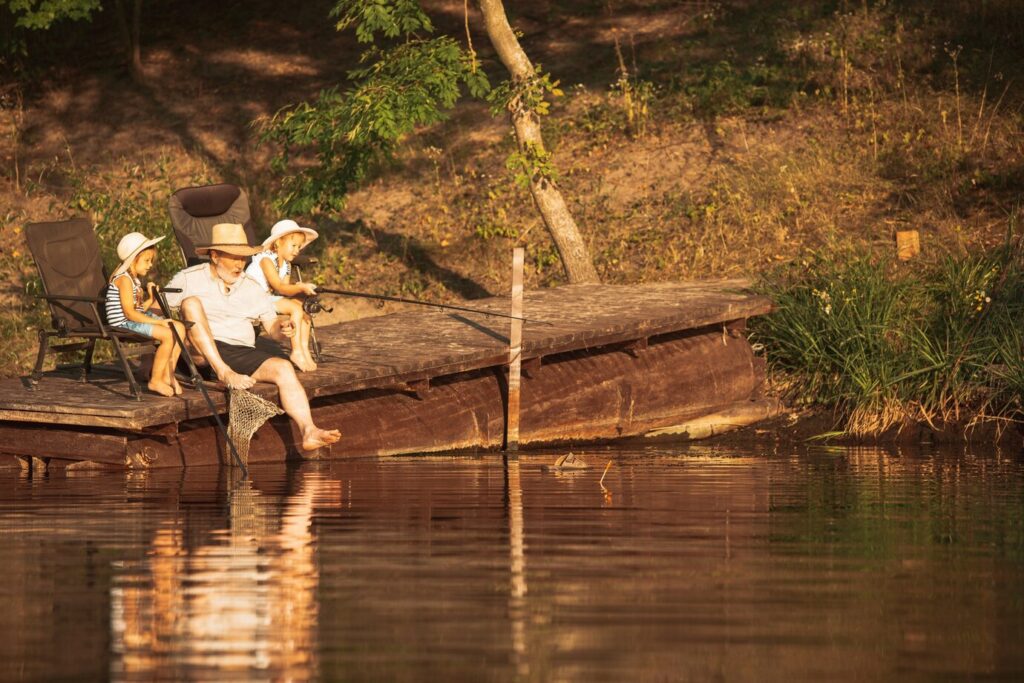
(242, 600)
(702, 564)
(517, 564)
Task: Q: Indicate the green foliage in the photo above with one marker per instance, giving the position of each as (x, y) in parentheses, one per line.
(724, 88)
(883, 345)
(524, 95)
(391, 18)
(400, 88)
(38, 15)
(531, 163)
(132, 200)
(636, 95)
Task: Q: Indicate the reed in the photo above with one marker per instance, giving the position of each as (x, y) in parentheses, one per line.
(885, 345)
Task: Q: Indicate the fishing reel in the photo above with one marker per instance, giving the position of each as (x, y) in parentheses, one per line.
(312, 305)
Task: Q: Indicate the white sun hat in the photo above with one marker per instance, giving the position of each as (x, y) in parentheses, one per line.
(287, 227)
(130, 246)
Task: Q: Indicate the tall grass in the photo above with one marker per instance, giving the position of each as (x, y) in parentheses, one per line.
(885, 344)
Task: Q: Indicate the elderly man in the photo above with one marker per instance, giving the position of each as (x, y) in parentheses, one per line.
(223, 302)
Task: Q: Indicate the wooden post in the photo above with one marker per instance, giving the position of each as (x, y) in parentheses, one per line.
(515, 356)
(908, 244)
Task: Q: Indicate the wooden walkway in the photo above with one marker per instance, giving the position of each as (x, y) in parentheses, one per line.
(408, 349)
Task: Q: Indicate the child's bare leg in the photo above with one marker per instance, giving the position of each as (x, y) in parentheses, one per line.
(293, 309)
(158, 376)
(172, 362)
(305, 331)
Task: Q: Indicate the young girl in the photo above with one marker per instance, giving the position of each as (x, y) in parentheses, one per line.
(272, 268)
(127, 307)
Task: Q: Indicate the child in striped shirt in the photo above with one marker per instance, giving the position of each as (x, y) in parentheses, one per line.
(128, 304)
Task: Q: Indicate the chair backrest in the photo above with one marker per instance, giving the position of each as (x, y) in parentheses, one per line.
(195, 210)
(67, 255)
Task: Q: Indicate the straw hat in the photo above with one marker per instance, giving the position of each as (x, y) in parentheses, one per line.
(130, 246)
(229, 238)
(287, 227)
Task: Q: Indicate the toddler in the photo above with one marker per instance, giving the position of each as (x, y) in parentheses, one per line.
(272, 268)
(128, 304)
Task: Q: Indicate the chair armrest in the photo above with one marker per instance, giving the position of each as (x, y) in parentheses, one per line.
(302, 261)
(69, 297)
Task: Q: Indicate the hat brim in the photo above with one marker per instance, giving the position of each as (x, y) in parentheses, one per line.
(233, 249)
(310, 234)
(134, 255)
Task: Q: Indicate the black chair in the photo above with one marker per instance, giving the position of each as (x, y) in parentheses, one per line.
(195, 210)
(67, 255)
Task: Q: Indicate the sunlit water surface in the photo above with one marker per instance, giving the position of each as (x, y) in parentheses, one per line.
(688, 564)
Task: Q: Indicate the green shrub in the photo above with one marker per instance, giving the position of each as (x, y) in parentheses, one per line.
(885, 344)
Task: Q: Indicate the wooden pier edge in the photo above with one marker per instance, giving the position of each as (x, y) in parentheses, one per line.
(637, 394)
(609, 362)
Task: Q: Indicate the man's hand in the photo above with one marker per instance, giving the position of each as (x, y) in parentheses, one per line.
(286, 328)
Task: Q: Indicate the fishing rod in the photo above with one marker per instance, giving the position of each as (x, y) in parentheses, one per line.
(401, 300)
(196, 378)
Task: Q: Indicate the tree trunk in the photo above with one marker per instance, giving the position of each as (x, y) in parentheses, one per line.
(129, 20)
(546, 195)
(136, 47)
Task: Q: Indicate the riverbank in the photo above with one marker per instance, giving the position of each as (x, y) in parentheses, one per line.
(818, 426)
(693, 140)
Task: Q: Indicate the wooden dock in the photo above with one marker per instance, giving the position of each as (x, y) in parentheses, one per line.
(612, 361)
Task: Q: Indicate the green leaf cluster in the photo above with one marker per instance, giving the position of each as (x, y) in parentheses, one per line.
(524, 95)
(397, 89)
(41, 14)
(531, 162)
(390, 18)
(38, 15)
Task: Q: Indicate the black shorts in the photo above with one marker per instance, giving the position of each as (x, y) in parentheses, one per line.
(246, 360)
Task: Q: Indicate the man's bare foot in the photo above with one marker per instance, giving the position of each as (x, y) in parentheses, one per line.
(302, 361)
(235, 380)
(162, 388)
(316, 438)
(176, 385)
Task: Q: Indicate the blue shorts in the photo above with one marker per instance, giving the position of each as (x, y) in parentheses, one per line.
(145, 329)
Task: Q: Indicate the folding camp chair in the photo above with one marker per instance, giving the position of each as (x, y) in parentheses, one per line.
(195, 210)
(67, 255)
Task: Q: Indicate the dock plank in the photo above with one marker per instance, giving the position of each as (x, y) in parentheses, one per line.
(413, 345)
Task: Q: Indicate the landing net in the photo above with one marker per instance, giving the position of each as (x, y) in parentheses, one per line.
(246, 413)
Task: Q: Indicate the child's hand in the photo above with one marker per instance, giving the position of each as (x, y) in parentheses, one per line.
(287, 329)
(308, 288)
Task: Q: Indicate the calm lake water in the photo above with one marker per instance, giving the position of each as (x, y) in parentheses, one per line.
(693, 563)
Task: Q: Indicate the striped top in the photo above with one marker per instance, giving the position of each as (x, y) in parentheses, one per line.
(255, 271)
(114, 311)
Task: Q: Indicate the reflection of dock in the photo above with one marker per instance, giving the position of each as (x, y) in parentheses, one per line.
(614, 361)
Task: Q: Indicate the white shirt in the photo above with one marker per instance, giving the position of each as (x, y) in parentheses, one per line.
(231, 311)
(255, 270)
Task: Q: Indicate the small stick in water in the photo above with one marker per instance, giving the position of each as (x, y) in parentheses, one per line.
(607, 493)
